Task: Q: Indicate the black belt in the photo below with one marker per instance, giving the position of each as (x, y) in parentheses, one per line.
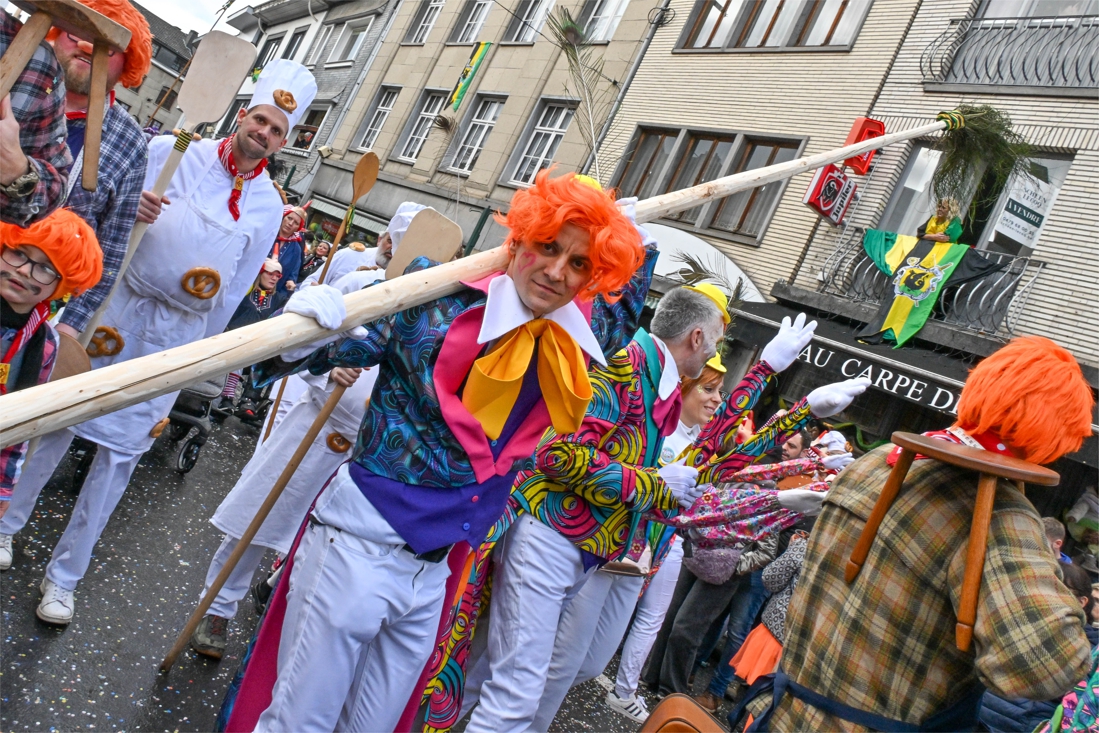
(437, 555)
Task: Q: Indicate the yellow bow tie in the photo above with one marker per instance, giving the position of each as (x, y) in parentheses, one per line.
(496, 378)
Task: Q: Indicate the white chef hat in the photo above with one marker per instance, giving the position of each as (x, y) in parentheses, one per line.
(398, 225)
(287, 85)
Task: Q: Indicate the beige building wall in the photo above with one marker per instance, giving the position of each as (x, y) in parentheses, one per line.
(1064, 300)
(811, 94)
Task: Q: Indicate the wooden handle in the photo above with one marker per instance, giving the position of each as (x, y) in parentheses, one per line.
(21, 50)
(332, 250)
(975, 561)
(253, 528)
(877, 514)
(93, 127)
(274, 409)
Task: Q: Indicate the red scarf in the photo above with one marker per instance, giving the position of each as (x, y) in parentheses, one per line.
(225, 155)
(82, 114)
(37, 317)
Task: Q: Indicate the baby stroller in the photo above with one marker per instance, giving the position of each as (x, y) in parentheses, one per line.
(193, 409)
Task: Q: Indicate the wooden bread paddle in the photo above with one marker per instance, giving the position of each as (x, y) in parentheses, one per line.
(217, 68)
(435, 236)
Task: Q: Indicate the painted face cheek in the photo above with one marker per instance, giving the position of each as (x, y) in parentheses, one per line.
(526, 259)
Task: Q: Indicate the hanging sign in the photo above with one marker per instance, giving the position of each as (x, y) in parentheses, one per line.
(863, 129)
(1029, 201)
(830, 193)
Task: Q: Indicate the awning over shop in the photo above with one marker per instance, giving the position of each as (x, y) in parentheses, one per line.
(362, 221)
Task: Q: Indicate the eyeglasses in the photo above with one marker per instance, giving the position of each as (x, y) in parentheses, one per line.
(41, 272)
(74, 39)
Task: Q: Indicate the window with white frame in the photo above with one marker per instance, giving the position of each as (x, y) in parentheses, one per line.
(268, 51)
(735, 25)
(376, 118)
(430, 106)
(229, 122)
(662, 160)
(527, 22)
(305, 132)
(471, 21)
(542, 142)
(295, 43)
(600, 18)
(350, 41)
(423, 21)
(485, 114)
(319, 44)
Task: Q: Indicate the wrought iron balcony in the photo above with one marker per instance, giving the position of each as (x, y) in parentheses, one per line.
(1056, 56)
(990, 306)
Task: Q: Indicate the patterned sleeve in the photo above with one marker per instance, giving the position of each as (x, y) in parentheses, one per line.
(725, 420)
(722, 466)
(113, 232)
(366, 352)
(774, 471)
(38, 101)
(1029, 634)
(579, 462)
(778, 574)
(614, 324)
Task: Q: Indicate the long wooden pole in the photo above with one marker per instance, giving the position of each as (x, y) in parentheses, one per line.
(49, 407)
(253, 528)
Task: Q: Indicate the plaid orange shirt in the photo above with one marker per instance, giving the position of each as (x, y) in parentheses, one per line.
(885, 643)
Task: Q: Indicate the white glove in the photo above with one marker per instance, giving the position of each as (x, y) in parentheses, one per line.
(802, 501)
(323, 303)
(837, 461)
(790, 341)
(629, 209)
(834, 398)
(682, 482)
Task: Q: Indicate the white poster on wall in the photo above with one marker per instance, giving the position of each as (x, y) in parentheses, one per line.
(1028, 203)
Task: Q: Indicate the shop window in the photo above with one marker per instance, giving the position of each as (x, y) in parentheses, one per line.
(734, 25)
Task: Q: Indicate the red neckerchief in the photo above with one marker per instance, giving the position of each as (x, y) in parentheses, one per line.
(82, 114)
(987, 440)
(37, 317)
(225, 155)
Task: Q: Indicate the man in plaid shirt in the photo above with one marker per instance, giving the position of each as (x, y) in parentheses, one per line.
(34, 160)
(111, 208)
(880, 653)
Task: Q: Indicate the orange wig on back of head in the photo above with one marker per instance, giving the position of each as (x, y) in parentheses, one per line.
(1033, 395)
(538, 213)
(70, 244)
(139, 54)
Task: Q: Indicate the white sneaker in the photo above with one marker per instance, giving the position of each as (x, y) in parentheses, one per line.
(57, 604)
(633, 707)
(5, 551)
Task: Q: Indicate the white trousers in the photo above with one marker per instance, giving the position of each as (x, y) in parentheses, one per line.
(538, 573)
(651, 610)
(588, 635)
(104, 486)
(361, 620)
(239, 580)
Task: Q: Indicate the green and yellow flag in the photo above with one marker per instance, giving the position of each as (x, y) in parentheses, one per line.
(920, 269)
(480, 50)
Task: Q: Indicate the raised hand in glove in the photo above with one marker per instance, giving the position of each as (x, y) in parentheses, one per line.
(791, 340)
(682, 482)
(629, 209)
(802, 501)
(837, 461)
(834, 398)
(322, 303)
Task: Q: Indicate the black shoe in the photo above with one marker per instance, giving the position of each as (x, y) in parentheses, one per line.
(246, 409)
(261, 594)
(209, 638)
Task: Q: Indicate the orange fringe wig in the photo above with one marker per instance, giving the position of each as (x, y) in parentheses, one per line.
(1033, 395)
(70, 244)
(538, 213)
(709, 376)
(139, 54)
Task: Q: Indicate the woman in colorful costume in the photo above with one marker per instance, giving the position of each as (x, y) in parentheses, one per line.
(356, 614)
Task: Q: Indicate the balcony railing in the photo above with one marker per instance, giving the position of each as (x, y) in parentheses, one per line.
(990, 306)
(1052, 54)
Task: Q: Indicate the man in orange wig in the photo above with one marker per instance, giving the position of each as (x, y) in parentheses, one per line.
(111, 208)
(467, 385)
(880, 653)
(52, 258)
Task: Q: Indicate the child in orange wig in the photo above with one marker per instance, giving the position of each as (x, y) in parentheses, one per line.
(52, 258)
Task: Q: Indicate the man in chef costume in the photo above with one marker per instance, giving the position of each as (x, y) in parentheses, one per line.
(209, 235)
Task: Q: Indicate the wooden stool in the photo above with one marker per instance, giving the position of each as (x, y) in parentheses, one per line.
(72, 17)
(990, 466)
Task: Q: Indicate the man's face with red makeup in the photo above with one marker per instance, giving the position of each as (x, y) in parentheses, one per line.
(548, 275)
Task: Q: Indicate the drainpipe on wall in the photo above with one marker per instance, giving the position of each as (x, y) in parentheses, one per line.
(634, 66)
(306, 182)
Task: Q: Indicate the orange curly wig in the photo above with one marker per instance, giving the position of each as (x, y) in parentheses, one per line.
(70, 244)
(1033, 395)
(538, 213)
(139, 53)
